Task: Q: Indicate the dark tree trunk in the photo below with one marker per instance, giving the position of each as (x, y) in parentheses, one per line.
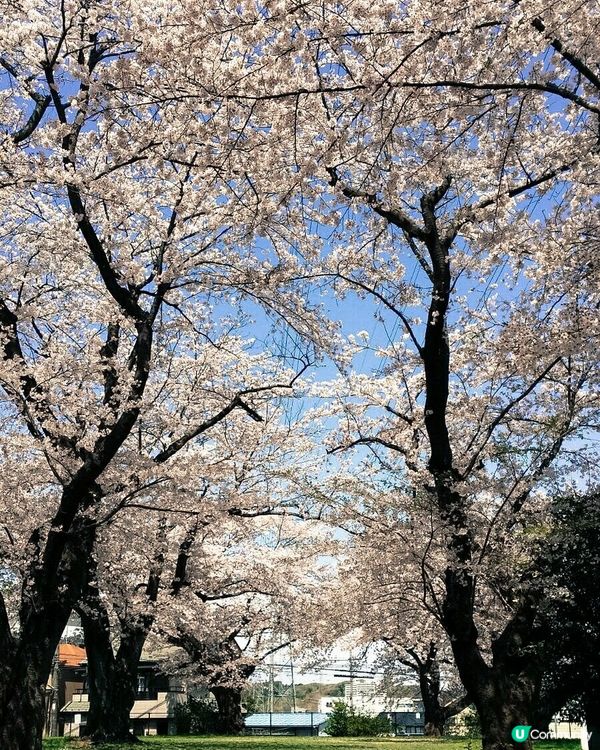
(112, 693)
(47, 601)
(592, 720)
(55, 578)
(113, 677)
(229, 704)
(429, 684)
(434, 721)
(500, 710)
(436, 714)
(503, 696)
(112, 680)
(22, 688)
(24, 675)
(217, 661)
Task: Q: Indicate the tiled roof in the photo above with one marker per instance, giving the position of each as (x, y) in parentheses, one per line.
(286, 720)
(70, 655)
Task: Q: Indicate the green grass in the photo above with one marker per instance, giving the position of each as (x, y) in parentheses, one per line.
(299, 743)
(280, 743)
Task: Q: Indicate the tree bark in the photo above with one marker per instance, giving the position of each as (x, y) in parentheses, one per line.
(49, 593)
(112, 679)
(434, 721)
(592, 720)
(503, 707)
(429, 685)
(504, 693)
(436, 714)
(229, 704)
(22, 688)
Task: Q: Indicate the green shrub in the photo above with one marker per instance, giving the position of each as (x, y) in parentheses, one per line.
(339, 721)
(346, 722)
(196, 716)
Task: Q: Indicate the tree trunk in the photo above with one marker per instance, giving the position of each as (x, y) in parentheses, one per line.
(112, 678)
(47, 601)
(111, 686)
(112, 693)
(229, 703)
(434, 724)
(592, 720)
(22, 688)
(429, 684)
(436, 714)
(499, 717)
(503, 701)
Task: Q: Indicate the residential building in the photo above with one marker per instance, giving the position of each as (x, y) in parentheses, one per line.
(406, 722)
(369, 696)
(153, 711)
(65, 680)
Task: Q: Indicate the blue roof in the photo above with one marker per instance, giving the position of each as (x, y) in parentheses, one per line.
(279, 720)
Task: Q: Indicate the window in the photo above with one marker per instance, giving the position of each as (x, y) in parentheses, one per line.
(142, 685)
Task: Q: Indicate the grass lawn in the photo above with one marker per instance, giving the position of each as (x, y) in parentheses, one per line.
(299, 743)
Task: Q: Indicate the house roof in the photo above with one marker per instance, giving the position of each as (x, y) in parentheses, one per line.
(76, 707)
(308, 719)
(70, 655)
(141, 709)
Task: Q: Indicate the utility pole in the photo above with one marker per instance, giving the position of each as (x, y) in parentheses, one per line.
(293, 681)
(271, 686)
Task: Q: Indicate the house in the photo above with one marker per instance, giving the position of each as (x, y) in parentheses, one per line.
(409, 722)
(365, 696)
(368, 696)
(153, 711)
(65, 680)
(308, 724)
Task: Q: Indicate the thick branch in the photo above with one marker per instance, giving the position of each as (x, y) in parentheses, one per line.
(235, 403)
(41, 104)
(392, 215)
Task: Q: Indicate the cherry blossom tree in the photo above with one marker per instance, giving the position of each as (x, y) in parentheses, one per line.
(243, 595)
(133, 244)
(457, 152)
(229, 493)
(163, 167)
(390, 589)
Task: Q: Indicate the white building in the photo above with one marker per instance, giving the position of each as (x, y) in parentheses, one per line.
(367, 696)
(327, 703)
